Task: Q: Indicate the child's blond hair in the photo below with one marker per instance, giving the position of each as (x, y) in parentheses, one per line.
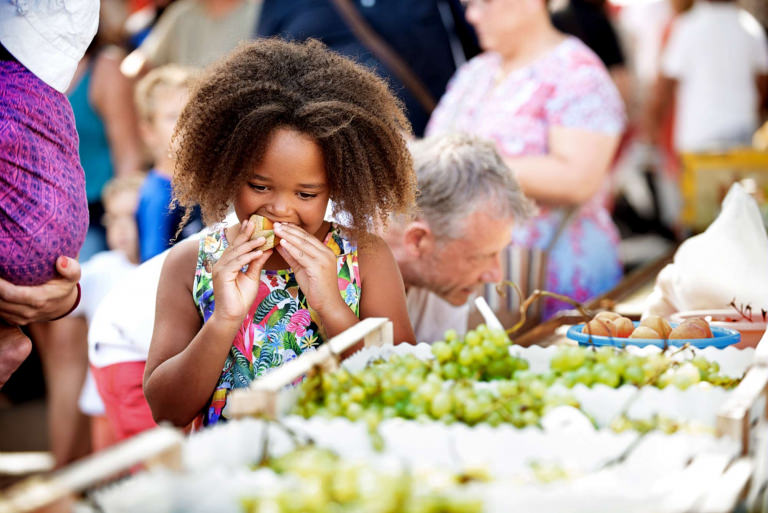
(118, 184)
(171, 75)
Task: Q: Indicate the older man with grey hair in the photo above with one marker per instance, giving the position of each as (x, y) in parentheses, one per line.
(467, 203)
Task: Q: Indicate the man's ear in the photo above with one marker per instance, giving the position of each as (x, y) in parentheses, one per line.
(418, 238)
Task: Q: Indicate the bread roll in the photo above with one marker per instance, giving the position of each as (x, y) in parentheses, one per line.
(264, 228)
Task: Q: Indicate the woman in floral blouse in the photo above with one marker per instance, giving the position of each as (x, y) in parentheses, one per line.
(556, 117)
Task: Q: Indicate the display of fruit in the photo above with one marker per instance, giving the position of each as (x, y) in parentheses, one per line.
(447, 387)
(611, 324)
(319, 481)
(614, 367)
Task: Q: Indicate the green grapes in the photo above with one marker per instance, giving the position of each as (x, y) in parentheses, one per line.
(318, 481)
(615, 367)
(448, 387)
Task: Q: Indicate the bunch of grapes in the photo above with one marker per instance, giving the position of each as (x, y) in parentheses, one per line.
(483, 355)
(318, 480)
(614, 367)
(656, 423)
(476, 380)
(407, 387)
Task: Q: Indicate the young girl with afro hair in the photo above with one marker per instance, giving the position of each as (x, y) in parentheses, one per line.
(277, 129)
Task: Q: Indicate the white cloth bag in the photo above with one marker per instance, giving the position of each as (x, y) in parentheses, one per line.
(729, 261)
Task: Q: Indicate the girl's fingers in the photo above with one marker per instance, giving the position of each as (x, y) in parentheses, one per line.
(248, 259)
(246, 229)
(292, 262)
(297, 236)
(235, 265)
(303, 256)
(255, 265)
(233, 251)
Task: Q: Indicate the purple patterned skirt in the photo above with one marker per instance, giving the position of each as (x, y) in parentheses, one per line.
(43, 209)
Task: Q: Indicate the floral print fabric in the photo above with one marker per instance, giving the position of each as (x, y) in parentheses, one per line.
(567, 87)
(280, 324)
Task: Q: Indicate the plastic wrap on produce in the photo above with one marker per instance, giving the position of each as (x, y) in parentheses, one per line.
(651, 478)
(362, 358)
(733, 362)
(218, 488)
(699, 403)
(594, 472)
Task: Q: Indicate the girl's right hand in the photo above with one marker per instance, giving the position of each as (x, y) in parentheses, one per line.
(235, 290)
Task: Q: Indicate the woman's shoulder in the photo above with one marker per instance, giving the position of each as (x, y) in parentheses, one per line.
(576, 55)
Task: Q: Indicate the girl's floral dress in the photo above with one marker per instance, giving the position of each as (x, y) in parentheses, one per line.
(567, 87)
(280, 324)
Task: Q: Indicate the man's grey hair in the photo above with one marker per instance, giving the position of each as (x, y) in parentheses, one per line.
(459, 174)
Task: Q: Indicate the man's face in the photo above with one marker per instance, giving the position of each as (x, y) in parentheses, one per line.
(455, 267)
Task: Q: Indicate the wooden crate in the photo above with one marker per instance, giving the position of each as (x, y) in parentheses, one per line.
(265, 398)
(159, 446)
(707, 177)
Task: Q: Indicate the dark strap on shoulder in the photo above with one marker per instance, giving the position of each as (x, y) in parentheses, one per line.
(385, 53)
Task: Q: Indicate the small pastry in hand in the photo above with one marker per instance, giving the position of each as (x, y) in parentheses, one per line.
(264, 228)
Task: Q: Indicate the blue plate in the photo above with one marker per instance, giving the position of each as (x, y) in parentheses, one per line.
(721, 337)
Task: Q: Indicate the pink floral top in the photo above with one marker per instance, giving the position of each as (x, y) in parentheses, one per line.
(567, 87)
(280, 325)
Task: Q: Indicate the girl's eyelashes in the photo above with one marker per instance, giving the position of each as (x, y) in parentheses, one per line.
(263, 188)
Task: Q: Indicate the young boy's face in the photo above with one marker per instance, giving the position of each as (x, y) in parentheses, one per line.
(168, 102)
(120, 223)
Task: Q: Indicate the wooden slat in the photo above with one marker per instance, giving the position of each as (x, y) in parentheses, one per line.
(726, 492)
(695, 481)
(745, 408)
(161, 445)
(261, 398)
(22, 463)
(761, 350)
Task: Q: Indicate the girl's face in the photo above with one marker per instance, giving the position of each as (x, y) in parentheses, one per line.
(289, 185)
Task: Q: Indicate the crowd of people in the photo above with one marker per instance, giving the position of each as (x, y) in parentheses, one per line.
(435, 144)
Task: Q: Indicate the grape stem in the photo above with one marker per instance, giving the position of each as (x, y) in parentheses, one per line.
(536, 294)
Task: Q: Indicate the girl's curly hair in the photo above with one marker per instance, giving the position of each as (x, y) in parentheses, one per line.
(267, 84)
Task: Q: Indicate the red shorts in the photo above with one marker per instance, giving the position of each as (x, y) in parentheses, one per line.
(120, 387)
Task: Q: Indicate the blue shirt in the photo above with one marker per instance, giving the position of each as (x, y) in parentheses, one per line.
(157, 222)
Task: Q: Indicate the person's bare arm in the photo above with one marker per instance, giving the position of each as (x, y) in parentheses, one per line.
(622, 79)
(659, 104)
(572, 172)
(21, 305)
(112, 95)
(177, 322)
(382, 289)
(186, 357)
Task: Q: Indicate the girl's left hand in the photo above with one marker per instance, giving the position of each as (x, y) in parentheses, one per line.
(313, 264)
